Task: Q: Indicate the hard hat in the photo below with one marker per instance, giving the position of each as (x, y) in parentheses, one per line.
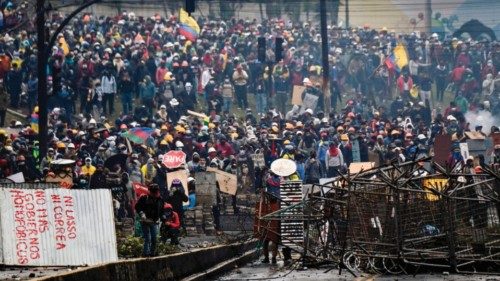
(179, 144)
(211, 150)
(123, 126)
(344, 137)
(71, 145)
(61, 145)
(163, 142)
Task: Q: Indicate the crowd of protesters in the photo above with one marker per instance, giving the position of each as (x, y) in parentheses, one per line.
(156, 75)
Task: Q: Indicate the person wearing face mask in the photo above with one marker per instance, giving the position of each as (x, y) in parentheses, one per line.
(346, 148)
(162, 113)
(88, 169)
(149, 171)
(455, 159)
(194, 164)
(21, 167)
(98, 178)
(149, 208)
(334, 160)
(47, 160)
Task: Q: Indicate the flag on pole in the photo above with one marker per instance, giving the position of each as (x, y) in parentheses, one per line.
(138, 135)
(189, 28)
(398, 59)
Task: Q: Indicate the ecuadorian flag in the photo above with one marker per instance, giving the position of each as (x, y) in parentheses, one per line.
(398, 59)
(189, 28)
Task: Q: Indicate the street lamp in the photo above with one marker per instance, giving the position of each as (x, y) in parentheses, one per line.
(42, 60)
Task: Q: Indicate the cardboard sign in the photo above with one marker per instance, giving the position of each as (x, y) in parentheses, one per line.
(17, 178)
(65, 180)
(227, 182)
(183, 177)
(297, 95)
(174, 159)
(464, 150)
(475, 135)
(309, 101)
(258, 160)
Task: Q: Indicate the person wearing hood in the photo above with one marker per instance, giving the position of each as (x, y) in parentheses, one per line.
(189, 96)
(162, 114)
(149, 171)
(488, 85)
(293, 113)
(176, 196)
(126, 89)
(334, 160)
(147, 92)
(173, 111)
(108, 87)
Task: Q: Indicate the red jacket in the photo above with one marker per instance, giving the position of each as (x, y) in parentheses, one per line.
(174, 221)
(401, 83)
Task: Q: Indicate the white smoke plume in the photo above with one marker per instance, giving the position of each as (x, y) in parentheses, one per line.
(482, 118)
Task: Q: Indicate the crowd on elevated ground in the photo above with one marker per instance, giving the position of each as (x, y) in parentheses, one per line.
(156, 75)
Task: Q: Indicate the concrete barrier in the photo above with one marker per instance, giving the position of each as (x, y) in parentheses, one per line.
(172, 267)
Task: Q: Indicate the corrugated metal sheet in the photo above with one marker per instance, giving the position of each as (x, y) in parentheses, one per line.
(35, 185)
(48, 227)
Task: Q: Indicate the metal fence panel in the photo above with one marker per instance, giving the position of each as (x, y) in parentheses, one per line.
(56, 227)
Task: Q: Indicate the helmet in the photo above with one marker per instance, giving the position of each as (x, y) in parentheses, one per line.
(123, 126)
(176, 181)
(163, 142)
(71, 145)
(21, 158)
(167, 206)
(179, 144)
(61, 145)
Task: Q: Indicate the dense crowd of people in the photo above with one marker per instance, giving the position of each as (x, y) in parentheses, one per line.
(157, 75)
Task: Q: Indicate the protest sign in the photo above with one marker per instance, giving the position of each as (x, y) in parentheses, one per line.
(297, 94)
(227, 182)
(57, 227)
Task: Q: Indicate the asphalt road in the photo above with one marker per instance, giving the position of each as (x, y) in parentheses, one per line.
(258, 271)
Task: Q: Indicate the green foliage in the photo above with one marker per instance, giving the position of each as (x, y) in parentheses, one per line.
(131, 247)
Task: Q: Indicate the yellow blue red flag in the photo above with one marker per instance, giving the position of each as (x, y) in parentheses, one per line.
(189, 28)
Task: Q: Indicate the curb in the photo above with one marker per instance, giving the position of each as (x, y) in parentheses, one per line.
(224, 266)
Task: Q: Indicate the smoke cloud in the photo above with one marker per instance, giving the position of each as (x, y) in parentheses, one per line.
(482, 118)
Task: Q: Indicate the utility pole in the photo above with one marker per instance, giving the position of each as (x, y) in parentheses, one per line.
(346, 13)
(324, 56)
(428, 17)
(42, 78)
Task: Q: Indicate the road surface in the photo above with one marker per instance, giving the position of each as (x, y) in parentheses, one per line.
(259, 271)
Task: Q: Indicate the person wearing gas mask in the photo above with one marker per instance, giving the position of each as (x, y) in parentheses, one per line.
(176, 197)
